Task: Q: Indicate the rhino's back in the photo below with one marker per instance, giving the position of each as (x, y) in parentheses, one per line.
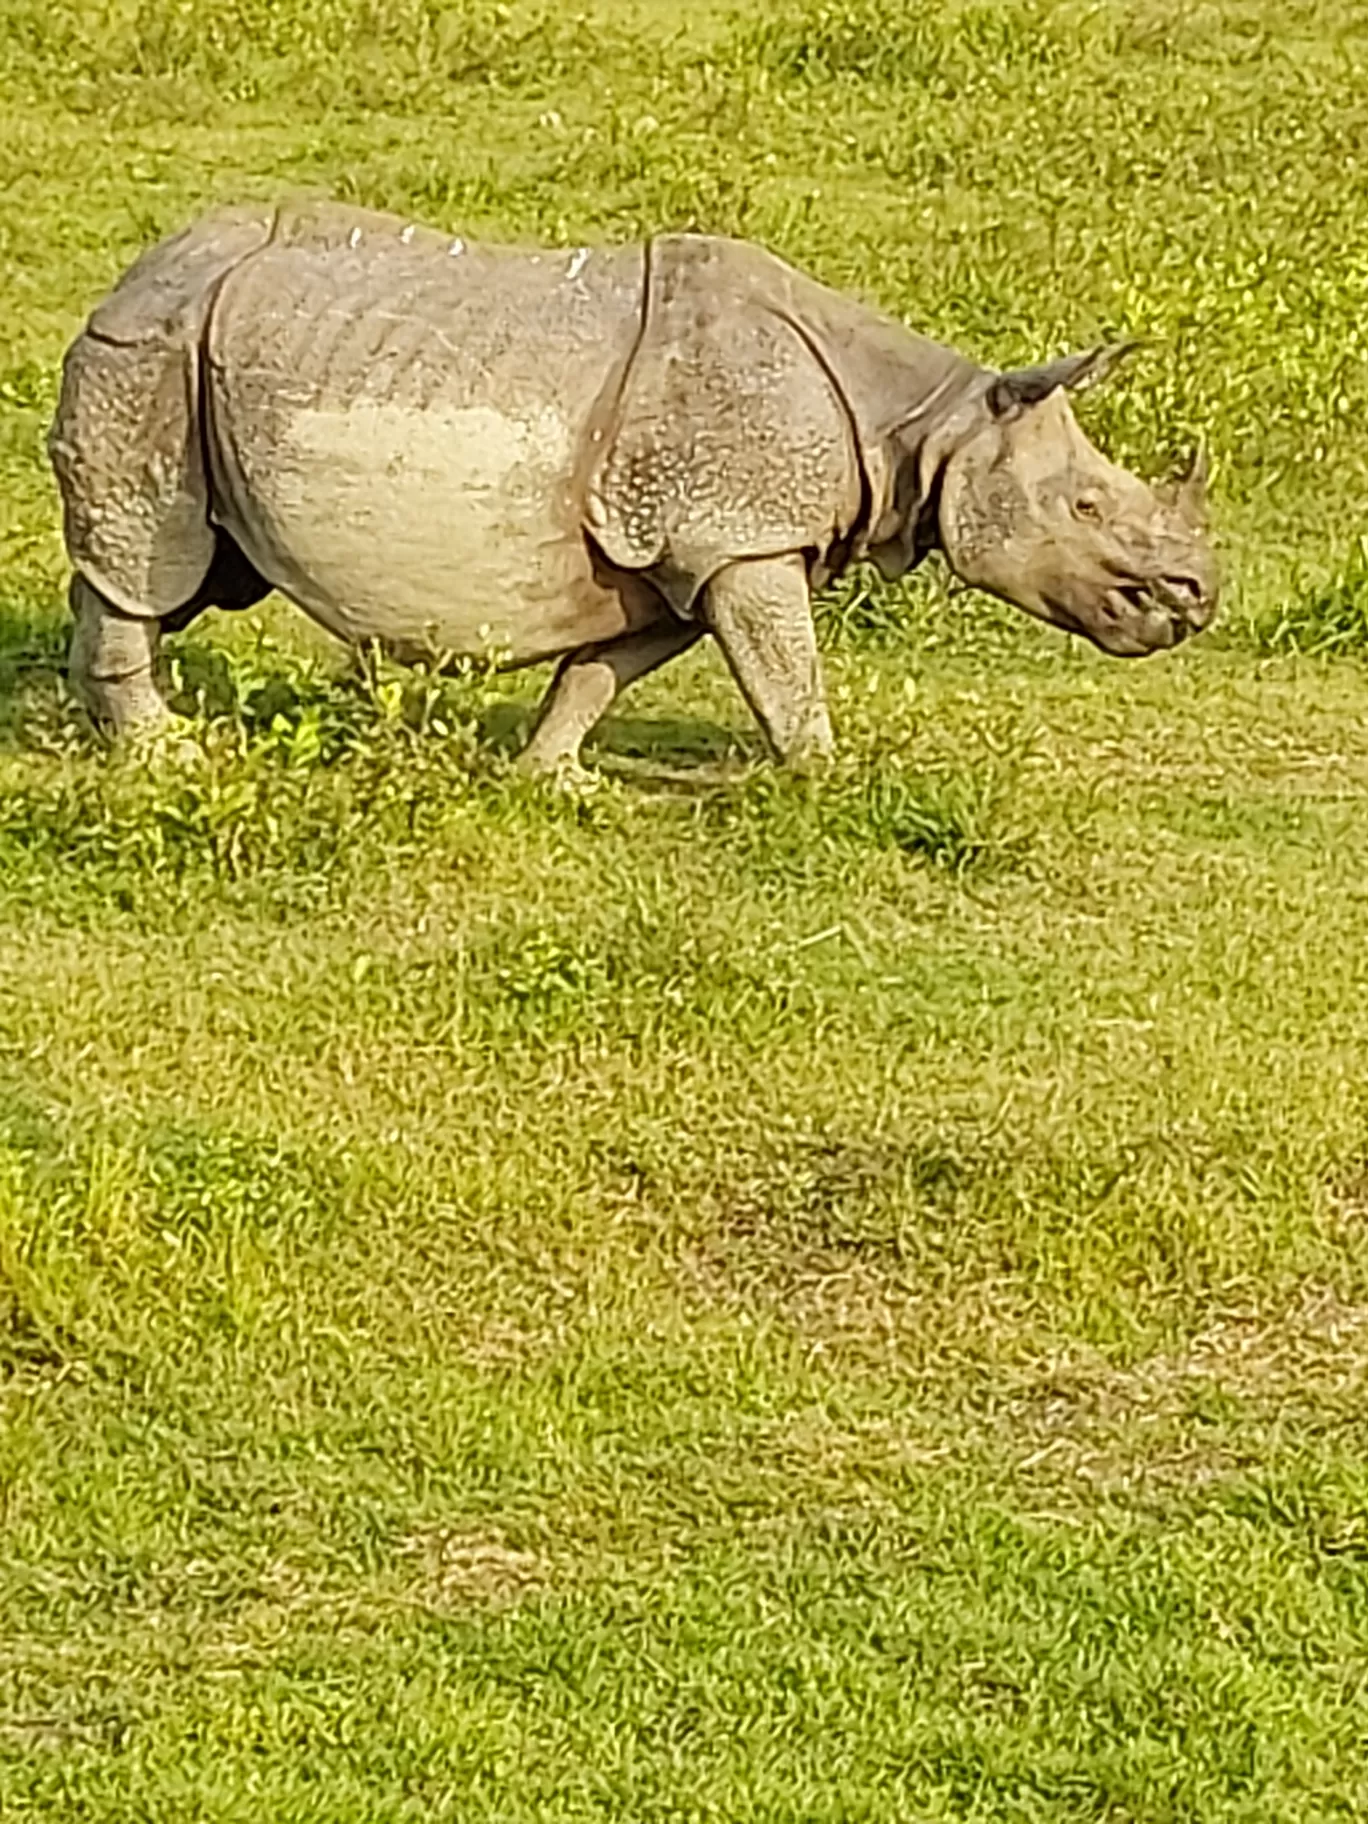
(399, 420)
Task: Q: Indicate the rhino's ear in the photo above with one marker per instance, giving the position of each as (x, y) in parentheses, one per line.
(1014, 392)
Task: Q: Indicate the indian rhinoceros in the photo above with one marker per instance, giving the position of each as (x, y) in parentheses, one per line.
(594, 456)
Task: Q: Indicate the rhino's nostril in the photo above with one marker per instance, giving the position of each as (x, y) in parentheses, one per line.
(1187, 589)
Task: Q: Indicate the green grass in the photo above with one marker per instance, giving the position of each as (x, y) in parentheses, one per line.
(737, 1298)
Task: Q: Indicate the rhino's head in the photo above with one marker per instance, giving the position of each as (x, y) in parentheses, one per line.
(1030, 510)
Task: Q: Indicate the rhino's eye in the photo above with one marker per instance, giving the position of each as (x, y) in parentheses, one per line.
(1088, 506)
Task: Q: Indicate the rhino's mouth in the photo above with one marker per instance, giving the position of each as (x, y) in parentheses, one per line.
(1150, 601)
(1127, 619)
(1139, 598)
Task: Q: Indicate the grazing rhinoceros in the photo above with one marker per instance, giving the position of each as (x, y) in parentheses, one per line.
(593, 455)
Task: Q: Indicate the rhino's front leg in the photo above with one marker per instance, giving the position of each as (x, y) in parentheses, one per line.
(113, 664)
(585, 686)
(760, 612)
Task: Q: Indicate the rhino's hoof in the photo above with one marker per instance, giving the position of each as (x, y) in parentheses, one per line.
(809, 762)
(560, 773)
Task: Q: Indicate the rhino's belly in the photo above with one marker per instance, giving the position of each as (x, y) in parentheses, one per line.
(394, 427)
(449, 529)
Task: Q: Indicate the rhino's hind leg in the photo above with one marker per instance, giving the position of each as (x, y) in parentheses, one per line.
(114, 656)
(761, 616)
(113, 664)
(586, 684)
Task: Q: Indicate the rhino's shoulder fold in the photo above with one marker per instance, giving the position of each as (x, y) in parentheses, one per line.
(762, 412)
(728, 439)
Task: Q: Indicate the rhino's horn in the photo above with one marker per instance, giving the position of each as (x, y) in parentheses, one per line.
(1026, 386)
(1192, 484)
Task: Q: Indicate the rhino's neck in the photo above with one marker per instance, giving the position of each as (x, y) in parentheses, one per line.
(902, 391)
(906, 462)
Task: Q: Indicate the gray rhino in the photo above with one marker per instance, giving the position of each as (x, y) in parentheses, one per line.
(595, 456)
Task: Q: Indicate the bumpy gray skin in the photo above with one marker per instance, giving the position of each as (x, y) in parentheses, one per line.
(596, 456)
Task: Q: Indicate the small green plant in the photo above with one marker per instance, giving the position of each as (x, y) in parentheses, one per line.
(1329, 618)
(923, 613)
(538, 971)
(955, 818)
(27, 388)
(294, 711)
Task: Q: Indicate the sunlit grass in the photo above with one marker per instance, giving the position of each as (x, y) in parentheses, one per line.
(736, 1297)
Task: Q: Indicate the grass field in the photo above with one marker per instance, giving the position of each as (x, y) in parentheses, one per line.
(735, 1300)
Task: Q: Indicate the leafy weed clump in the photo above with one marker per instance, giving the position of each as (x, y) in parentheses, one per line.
(1328, 620)
(339, 53)
(284, 772)
(298, 712)
(870, 43)
(955, 818)
(543, 985)
(923, 613)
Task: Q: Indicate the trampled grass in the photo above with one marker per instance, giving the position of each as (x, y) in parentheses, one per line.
(737, 1298)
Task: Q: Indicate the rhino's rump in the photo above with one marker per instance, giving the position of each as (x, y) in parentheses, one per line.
(125, 443)
(398, 422)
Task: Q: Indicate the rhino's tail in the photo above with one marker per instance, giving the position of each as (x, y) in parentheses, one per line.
(126, 443)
